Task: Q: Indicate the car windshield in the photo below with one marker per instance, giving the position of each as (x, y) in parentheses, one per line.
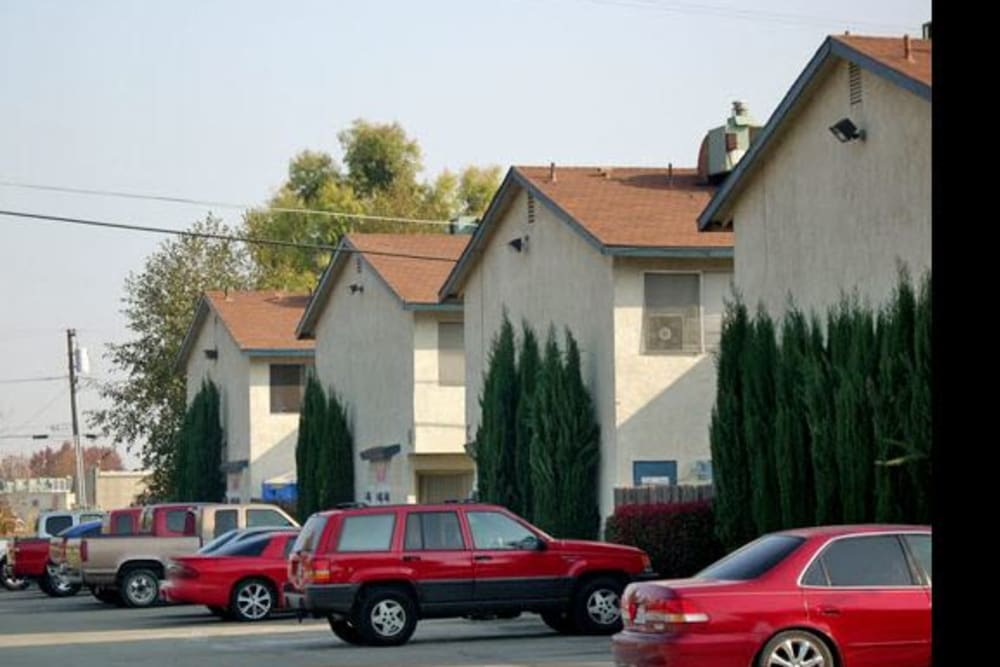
(754, 559)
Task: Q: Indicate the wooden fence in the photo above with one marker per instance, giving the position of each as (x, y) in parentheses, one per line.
(655, 494)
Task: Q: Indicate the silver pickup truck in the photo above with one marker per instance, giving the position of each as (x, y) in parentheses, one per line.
(134, 565)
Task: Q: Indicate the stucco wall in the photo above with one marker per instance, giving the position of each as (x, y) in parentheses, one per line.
(364, 350)
(820, 216)
(439, 410)
(558, 279)
(664, 402)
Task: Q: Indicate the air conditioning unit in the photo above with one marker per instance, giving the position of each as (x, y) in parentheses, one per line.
(664, 333)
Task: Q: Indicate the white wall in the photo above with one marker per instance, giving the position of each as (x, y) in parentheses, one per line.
(439, 410)
(820, 216)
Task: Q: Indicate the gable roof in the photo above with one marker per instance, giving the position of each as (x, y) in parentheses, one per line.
(626, 211)
(883, 56)
(412, 266)
(260, 321)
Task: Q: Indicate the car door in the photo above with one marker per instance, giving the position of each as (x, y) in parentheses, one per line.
(512, 565)
(866, 591)
(438, 559)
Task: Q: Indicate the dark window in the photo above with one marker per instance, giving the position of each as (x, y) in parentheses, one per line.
(367, 532)
(920, 547)
(57, 524)
(308, 539)
(451, 354)
(492, 530)
(177, 521)
(218, 542)
(265, 518)
(754, 559)
(124, 524)
(254, 547)
(816, 575)
(286, 387)
(877, 560)
(289, 543)
(433, 531)
(225, 520)
(672, 313)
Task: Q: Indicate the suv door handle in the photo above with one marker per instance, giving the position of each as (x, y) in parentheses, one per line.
(483, 558)
(827, 610)
(410, 559)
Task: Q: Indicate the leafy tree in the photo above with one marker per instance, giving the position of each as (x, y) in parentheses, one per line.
(147, 407)
(51, 462)
(476, 186)
(497, 433)
(380, 158)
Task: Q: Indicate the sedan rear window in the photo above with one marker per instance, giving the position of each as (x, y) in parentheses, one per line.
(252, 547)
(754, 559)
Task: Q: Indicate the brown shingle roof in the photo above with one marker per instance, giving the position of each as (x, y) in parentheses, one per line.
(632, 206)
(261, 320)
(427, 260)
(890, 52)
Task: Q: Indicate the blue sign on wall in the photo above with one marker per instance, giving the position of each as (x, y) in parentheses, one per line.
(654, 472)
(281, 492)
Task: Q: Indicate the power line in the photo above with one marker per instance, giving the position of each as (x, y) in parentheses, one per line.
(217, 204)
(37, 379)
(220, 237)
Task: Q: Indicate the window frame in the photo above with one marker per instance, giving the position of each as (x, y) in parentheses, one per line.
(423, 541)
(541, 537)
(643, 351)
(271, 385)
(440, 349)
(916, 573)
(343, 524)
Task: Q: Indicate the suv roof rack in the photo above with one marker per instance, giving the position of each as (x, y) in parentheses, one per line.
(350, 506)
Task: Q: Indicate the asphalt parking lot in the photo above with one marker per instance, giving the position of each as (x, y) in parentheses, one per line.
(36, 631)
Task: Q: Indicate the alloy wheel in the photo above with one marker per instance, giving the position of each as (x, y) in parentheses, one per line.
(604, 606)
(388, 618)
(797, 652)
(254, 601)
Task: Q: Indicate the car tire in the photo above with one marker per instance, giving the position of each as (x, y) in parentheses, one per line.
(106, 595)
(8, 580)
(596, 607)
(560, 621)
(794, 647)
(56, 586)
(385, 617)
(139, 587)
(252, 600)
(345, 631)
(220, 612)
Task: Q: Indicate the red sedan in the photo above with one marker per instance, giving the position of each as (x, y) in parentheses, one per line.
(837, 596)
(241, 581)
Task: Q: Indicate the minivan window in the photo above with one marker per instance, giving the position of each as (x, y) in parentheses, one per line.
(308, 539)
(264, 518)
(754, 559)
(876, 560)
(366, 532)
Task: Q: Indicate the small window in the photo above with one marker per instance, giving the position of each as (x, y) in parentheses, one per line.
(124, 524)
(867, 561)
(177, 522)
(308, 539)
(57, 524)
(492, 530)
(753, 560)
(451, 354)
(367, 532)
(225, 521)
(287, 387)
(816, 575)
(671, 317)
(266, 518)
(433, 531)
(920, 547)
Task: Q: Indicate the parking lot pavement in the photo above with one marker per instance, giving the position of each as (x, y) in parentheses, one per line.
(36, 630)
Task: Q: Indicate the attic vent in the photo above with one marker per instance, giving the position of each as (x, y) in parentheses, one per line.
(531, 209)
(854, 82)
(357, 263)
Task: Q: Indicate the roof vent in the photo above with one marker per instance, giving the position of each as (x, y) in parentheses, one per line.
(907, 48)
(552, 172)
(723, 147)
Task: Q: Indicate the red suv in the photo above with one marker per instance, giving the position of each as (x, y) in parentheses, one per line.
(373, 571)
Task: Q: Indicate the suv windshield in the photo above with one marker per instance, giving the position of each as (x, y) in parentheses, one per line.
(752, 560)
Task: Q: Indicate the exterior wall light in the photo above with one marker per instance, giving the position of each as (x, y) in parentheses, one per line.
(845, 130)
(356, 287)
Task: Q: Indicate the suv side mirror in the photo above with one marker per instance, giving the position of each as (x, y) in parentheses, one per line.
(532, 543)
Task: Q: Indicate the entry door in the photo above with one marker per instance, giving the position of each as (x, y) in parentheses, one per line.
(437, 488)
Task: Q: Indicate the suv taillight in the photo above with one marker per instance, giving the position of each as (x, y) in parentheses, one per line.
(319, 571)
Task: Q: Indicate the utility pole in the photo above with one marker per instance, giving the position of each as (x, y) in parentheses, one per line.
(81, 484)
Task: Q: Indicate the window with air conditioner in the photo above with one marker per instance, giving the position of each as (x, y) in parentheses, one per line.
(671, 317)
(451, 354)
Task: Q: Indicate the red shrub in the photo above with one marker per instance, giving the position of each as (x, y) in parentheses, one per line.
(679, 538)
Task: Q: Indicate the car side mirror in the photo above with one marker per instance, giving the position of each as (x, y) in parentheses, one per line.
(533, 543)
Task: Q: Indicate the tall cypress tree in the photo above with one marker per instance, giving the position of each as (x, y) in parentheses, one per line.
(335, 459)
(730, 461)
(528, 365)
(820, 416)
(198, 476)
(760, 357)
(312, 420)
(580, 454)
(546, 481)
(792, 445)
(496, 438)
(920, 430)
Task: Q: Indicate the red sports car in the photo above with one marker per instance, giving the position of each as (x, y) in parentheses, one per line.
(243, 580)
(836, 596)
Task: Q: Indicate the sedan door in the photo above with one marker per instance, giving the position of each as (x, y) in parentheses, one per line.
(866, 591)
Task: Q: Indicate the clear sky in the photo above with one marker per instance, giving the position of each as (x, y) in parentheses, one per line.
(208, 99)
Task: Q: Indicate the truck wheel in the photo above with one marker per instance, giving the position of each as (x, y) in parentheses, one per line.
(252, 600)
(596, 606)
(57, 586)
(385, 617)
(345, 631)
(8, 580)
(559, 621)
(139, 587)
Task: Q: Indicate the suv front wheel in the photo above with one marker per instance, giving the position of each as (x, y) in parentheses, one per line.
(385, 617)
(596, 607)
